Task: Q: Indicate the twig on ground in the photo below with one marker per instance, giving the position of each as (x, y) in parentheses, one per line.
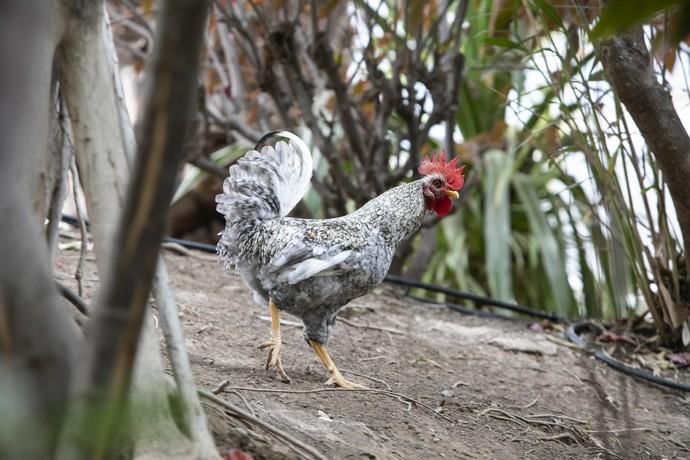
(73, 298)
(283, 322)
(679, 444)
(373, 379)
(579, 380)
(559, 437)
(78, 274)
(564, 343)
(392, 394)
(221, 386)
(280, 434)
(426, 360)
(373, 328)
(527, 406)
(575, 433)
(559, 416)
(244, 400)
(532, 419)
(619, 430)
(508, 418)
(372, 358)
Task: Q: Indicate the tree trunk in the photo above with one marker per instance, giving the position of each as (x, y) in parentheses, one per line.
(37, 342)
(105, 198)
(56, 166)
(87, 74)
(103, 384)
(628, 65)
(193, 414)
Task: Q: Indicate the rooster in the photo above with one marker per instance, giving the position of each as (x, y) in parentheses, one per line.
(311, 268)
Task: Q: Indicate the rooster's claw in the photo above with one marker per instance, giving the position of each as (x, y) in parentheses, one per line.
(274, 360)
(338, 380)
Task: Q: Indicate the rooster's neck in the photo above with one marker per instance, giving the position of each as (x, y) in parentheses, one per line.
(397, 213)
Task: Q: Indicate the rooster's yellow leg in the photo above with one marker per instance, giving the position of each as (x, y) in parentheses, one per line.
(335, 376)
(274, 345)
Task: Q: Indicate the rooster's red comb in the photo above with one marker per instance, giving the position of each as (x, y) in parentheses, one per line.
(436, 164)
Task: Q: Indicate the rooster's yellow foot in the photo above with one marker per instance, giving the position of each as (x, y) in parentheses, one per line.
(273, 359)
(274, 345)
(338, 380)
(336, 377)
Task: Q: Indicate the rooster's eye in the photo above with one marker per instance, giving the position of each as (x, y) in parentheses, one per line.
(437, 183)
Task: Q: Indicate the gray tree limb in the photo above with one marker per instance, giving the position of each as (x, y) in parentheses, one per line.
(88, 73)
(192, 411)
(91, 55)
(193, 415)
(104, 381)
(37, 341)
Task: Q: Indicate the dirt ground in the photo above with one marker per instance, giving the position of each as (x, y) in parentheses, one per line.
(544, 401)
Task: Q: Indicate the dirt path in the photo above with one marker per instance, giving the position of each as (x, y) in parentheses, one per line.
(546, 401)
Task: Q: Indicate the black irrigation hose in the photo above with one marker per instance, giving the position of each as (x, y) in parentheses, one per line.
(73, 221)
(478, 299)
(573, 334)
(465, 310)
(185, 243)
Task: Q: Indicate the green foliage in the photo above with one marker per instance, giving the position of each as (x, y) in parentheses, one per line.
(619, 15)
(562, 210)
(499, 169)
(528, 229)
(550, 250)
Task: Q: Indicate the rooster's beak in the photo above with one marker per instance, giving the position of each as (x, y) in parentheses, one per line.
(452, 194)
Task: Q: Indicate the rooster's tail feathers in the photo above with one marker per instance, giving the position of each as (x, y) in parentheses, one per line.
(262, 185)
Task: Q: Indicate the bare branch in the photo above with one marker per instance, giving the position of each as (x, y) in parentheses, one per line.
(38, 342)
(121, 302)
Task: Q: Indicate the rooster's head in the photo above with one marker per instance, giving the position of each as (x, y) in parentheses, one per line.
(442, 181)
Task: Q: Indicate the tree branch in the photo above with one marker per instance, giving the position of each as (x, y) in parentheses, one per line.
(121, 302)
(38, 343)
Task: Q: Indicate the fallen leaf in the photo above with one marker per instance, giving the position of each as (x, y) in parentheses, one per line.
(612, 337)
(680, 359)
(536, 327)
(426, 360)
(237, 454)
(324, 416)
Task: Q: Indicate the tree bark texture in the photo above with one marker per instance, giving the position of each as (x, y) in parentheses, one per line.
(193, 414)
(89, 58)
(121, 302)
(87, 85)
(628, 65)
(37, 342)
(88, 78)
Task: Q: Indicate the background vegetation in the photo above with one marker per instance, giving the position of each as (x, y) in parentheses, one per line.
(567, 116)
(565, 208)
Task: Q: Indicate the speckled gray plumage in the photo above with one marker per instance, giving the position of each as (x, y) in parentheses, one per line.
(283, 258)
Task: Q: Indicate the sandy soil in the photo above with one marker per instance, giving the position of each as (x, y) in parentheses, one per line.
(545, 401)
